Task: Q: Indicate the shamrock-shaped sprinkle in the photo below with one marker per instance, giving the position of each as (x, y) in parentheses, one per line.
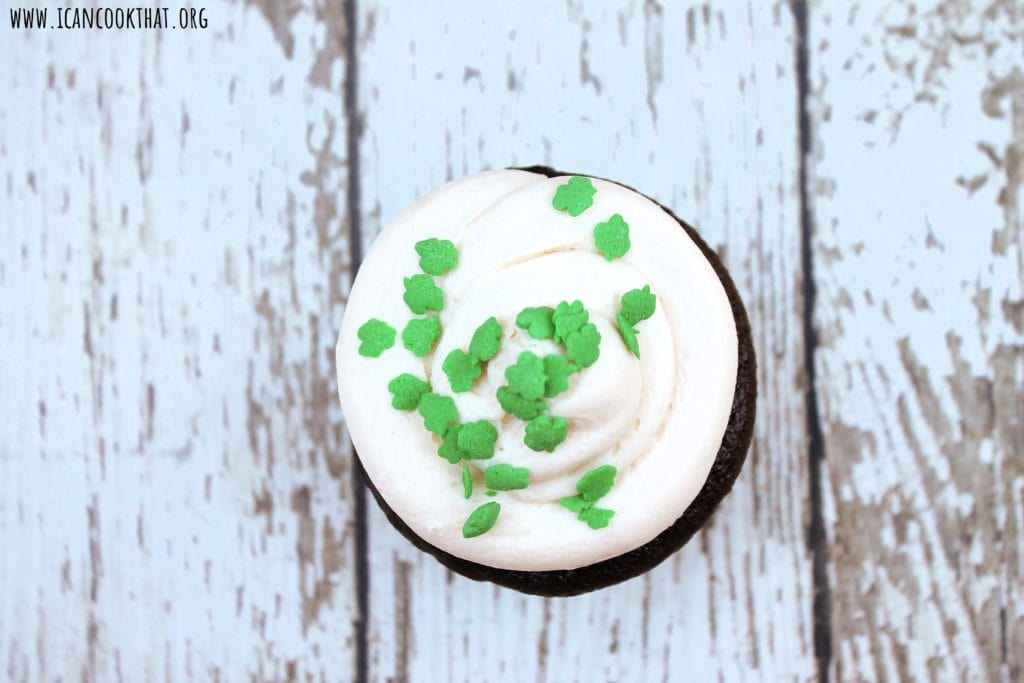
(521, 407)
(470, 441)
(486, 340)
(583, 346)
(481, 520)
(568, 318)
(476, 440)
(596, 483)
(596, 518)
(556, 372)
(376, 337)
(437, 257)
(506, 477)
(420, 334)
(449, 448)
(438, 412)
(462, 370)
(544, 433)
(636, 305)
(408, 390)
(467, 482)
(574, 196)
(592, 486)
(537, 321)
(612, 237)
(526, 375)
(422, 295)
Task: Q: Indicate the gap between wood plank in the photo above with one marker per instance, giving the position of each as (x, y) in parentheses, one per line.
(353, 206)
(816, 541)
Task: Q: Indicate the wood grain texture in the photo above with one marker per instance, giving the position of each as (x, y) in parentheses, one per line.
(175, 496)
(174, 473)
(918, 204)
(696, 106)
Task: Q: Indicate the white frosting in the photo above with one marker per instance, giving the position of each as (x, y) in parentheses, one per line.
(659, 420)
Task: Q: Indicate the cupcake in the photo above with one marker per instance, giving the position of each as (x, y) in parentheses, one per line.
(548, 379)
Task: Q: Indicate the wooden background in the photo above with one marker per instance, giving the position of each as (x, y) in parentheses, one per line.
(181, 213)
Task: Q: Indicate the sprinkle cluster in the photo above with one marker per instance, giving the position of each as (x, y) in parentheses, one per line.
(464, 367)
(530, 381)
(591, 487)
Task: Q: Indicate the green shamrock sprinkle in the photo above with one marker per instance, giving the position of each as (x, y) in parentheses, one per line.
(506, 477)
(521, 407)
(408, 390)
(476, 440)
(486, 340)
(568, 318)
(592, 486)
(612, 238)
(596, 483)
(376, 337)
(462, 370)
(420, 334)
(449, 448)
(583, 346)
(557, 371)
(438, 412)
(537, 321)
(422, 295)
(575, 196)
(482, 519)
(492, 494)
(596, 518)
(437, 257)
(526, 376)
(467, 482)
(544, 433)
(628, 334)
(637, 305)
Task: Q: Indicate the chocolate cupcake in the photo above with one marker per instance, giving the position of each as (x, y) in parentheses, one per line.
(549, 379)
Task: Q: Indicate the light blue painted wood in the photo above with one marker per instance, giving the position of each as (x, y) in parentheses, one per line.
(918, 165)
(173, 468)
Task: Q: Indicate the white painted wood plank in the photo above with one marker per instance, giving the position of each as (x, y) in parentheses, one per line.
(174, 474)
(918, 167)
(696, 106)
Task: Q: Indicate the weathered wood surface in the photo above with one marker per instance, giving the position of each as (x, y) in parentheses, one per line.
(175, 482)
(174, 474)
(918, 167)
(661, 98)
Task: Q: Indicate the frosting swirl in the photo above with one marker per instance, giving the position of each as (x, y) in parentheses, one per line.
(659, 420)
